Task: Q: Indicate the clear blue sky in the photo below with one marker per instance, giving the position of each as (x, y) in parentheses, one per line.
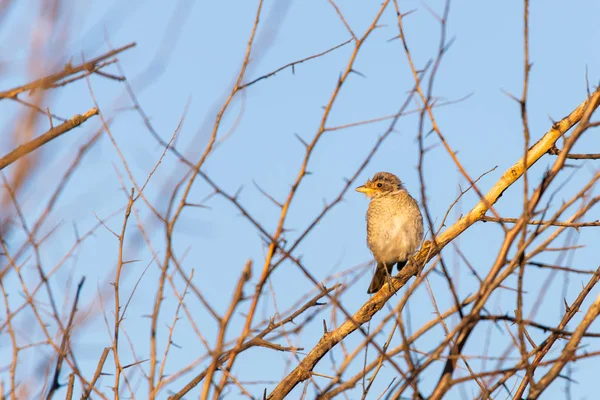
(191, 52)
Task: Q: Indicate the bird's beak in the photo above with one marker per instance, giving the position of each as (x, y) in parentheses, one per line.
(366, 188)
(363, 189)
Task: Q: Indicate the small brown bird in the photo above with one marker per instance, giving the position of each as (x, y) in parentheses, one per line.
(394, 225)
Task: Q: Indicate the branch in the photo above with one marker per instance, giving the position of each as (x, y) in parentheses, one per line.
(592, 156)
(429, 250)
(568, 353)
(41, 140)
(533, 222)
(88, 391)
(294, 63)
(65, 345)
(47, 81)
(258, 339)
(534, 324)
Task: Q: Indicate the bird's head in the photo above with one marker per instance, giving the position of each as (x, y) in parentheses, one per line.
(381, 184)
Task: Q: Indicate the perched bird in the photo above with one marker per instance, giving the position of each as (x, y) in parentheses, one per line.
(394, 225)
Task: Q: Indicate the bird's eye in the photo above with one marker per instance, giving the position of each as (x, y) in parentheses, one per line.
(379, 184)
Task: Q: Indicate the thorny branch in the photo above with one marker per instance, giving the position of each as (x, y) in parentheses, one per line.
(200, 323)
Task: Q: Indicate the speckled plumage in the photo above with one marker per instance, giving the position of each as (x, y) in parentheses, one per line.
(394, 225)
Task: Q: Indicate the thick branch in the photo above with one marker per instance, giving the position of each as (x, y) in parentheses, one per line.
(44, 138)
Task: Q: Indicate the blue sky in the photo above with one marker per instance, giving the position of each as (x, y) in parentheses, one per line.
(190, 52)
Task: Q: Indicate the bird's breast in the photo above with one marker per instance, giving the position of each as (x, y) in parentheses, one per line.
(394, 229)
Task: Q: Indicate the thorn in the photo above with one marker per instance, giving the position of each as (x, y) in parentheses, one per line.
(268, 196)
(409, 12)
(432, 147)
(131, 261)
(237, 193)
(511, 96)
(358, 73)
(393, 38)
(69, 64)
(196, 205)
(567, 308)
(449, 44)
(76, 231)
(300, 139)
(325, 331)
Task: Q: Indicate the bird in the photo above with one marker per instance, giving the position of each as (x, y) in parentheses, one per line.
(394, 225)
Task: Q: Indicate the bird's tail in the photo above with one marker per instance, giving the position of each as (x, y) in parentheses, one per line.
(381, 274)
